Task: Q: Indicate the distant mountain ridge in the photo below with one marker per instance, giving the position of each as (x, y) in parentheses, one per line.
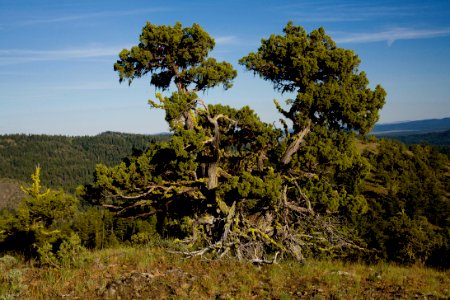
(412, 127)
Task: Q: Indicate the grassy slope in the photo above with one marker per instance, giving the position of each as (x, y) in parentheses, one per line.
(152, 272)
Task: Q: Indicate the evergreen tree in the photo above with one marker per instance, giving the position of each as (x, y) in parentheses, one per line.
(180, 55)
(42, 220)
(225, 182)
(332, 94)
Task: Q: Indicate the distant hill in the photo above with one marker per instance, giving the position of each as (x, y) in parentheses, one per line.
(66, 161)
(439, 138)
(412, 127)
(435, 132)
(10, 194)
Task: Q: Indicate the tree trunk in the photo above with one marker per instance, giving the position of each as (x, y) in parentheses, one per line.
(189, 123)
(212, 175)
(295, 144)
(212, 167)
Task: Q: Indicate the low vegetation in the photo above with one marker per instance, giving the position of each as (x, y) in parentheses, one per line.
(152, 272)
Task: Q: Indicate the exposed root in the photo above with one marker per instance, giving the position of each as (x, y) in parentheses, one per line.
(288, 231)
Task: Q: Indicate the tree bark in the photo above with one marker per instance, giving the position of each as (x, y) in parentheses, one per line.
(212, 175)
(189, 122)
(295, 144)
(212, 167)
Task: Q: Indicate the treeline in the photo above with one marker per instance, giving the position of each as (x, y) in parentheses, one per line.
(66, 161)
(440, 140)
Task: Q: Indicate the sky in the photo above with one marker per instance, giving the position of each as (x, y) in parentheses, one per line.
(57, 57)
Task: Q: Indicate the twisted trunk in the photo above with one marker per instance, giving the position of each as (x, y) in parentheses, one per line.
(295, 144)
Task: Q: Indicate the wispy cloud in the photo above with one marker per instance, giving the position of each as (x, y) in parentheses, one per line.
(19, 56)
(226, 40)
(350, 11)
(392, 35)
(101, 14)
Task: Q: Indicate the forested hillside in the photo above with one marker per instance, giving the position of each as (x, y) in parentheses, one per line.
(408, 208)
(440, 140)
(66, 161)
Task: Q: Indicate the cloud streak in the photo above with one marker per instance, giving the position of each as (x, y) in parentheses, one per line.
(326, 12)
(226, 40)
(392, 35)
(19, 56)
(102, 14)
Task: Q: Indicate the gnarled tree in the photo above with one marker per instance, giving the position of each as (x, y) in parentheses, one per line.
(227, 182)
(332, 103)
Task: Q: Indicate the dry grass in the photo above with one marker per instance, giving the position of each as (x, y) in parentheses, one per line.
(370, 146)
(152, 272)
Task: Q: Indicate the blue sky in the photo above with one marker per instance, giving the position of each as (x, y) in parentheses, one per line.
(57, 56)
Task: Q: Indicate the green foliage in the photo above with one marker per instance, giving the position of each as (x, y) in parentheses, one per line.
(49, 226)
(178, 53)
(411, 241)
(67, 255)
(440, 140)
(142, 238)
(227, 183)
(100, 228)
(41, 209)
(42, 220)
(331, 90)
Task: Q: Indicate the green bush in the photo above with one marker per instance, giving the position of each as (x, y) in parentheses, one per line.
(68, 254)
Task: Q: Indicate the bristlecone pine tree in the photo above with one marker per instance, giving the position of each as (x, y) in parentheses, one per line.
(229, 184)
